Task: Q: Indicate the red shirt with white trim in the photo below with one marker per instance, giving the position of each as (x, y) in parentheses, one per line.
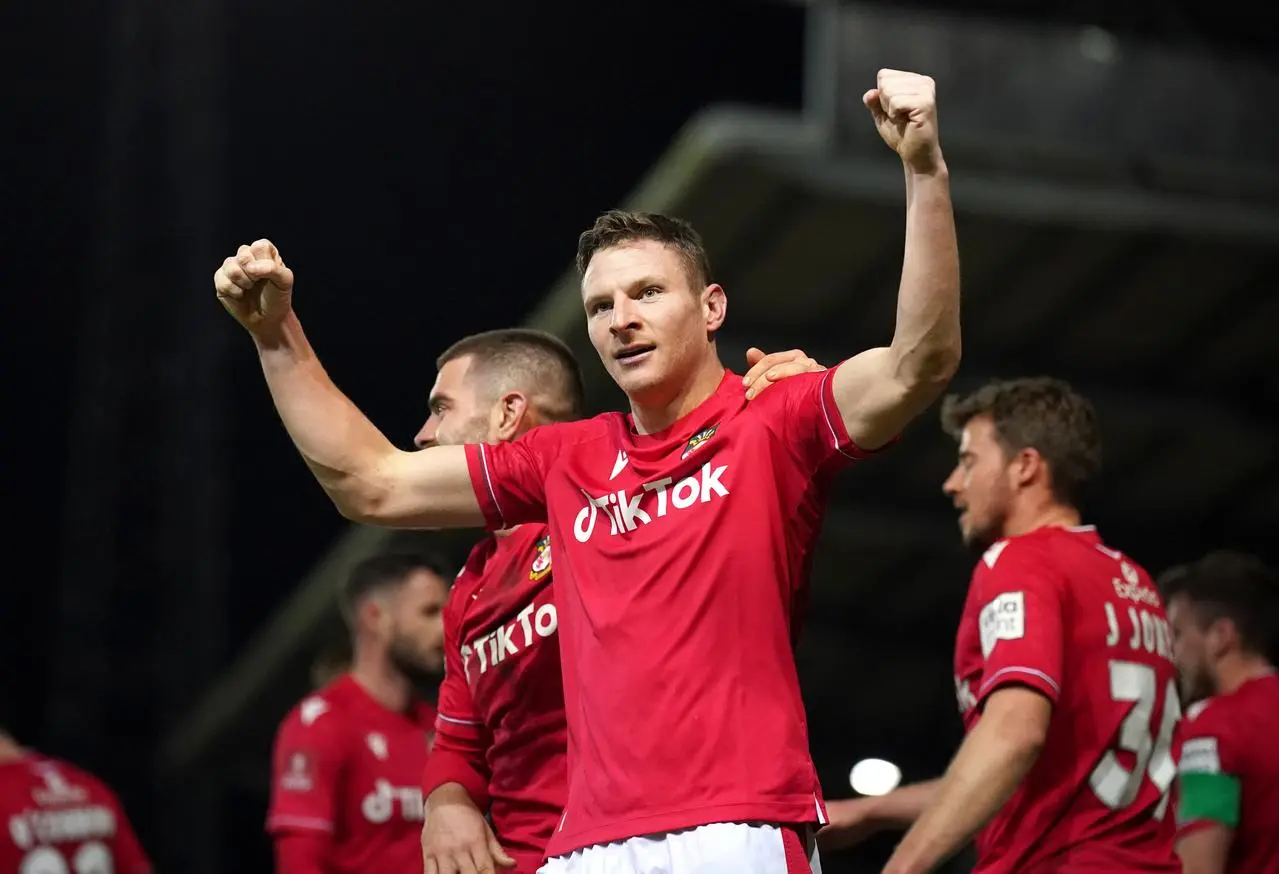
(347, 767)
(501, 731)
(682, 563)
(1058, 611)
(57, 819)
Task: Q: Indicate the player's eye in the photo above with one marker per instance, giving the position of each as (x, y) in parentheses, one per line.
(651, 292)
(599, 307)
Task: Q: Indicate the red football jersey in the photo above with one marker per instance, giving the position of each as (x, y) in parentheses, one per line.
(682, 561)
(1060, 612)
(500, 730)
(61, 820)
(347, 766)
(1228, 748)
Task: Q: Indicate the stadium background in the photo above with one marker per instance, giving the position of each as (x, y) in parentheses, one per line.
(425, 169)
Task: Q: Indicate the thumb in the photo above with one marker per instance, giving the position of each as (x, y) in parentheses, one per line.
(499, 855)
(754, 356)
(873, 103)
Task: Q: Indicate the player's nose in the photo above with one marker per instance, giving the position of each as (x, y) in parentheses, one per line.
(625, 317)
(426, 437)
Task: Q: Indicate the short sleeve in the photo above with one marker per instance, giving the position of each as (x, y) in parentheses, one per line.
(812, 425)
(130, 858)
(1019, 620)
(459, 754)
(306, 768)
(1209, 788)
(510, 478)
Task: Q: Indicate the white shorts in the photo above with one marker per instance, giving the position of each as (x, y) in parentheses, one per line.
(719, 848)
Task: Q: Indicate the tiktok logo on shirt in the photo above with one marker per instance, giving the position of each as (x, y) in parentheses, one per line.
(627, 511)
(379, 805)
(495, 647)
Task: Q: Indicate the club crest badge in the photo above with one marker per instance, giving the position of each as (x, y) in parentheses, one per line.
(541, 564)
(698, 439)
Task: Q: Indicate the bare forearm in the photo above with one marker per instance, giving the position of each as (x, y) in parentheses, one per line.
(926, 341)
(341, 446)
(984, 775)
(900, 808)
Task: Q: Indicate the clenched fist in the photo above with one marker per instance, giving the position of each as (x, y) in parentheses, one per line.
(255, 286)
(904, 106)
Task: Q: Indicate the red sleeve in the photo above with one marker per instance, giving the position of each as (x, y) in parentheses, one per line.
(1020, 620)
(461, 740)
(129, 857)
(302, 852)
(510, 478)
(812, 425)
(306, 768)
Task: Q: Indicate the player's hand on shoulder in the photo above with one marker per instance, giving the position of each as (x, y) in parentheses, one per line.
(456, 838)
(850, 823)
(904, 107)
(255, 286)
(764, 370)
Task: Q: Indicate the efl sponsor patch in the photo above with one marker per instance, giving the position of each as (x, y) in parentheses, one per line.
(1002, 619)
(1199, 756)
(299, 773)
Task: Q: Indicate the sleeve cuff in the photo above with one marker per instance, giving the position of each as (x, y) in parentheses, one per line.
(284, 822)
(445, 766)
(479, 463)
(1019, 675)
(836, 430)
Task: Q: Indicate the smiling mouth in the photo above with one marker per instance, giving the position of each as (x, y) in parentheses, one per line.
(633, 352)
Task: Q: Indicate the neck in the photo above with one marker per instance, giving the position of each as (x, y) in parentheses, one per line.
(384, 684)
(10, 751)
(1028, 516)
(651, 418)
(1237, 668)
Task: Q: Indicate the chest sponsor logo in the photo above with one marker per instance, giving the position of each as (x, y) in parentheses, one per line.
(628, 510)
(533, 624)
(542, 563)
(386, 800)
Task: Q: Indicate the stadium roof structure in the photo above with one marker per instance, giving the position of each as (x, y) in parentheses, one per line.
(1156, 300)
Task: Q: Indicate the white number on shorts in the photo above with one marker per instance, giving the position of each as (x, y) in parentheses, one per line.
(1115, 785)
(93, 857)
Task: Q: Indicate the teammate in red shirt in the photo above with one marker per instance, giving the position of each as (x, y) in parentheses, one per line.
(501, 741)
(1224, 611)
(345, 793)
(683, 532)
(1063, 665)
(58, 819)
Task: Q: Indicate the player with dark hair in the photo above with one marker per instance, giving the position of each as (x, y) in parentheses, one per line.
(345, 793)
(60, 819)
(501, 739)
(1063, 665)
(683, 531)
(1224, 610)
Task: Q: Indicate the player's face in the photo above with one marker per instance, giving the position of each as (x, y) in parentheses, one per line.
(458, 415)
(650, 327)
(981, 484)
(1189, 650)
(415, 631)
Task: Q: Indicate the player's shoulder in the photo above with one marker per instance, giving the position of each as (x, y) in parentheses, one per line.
(578, 431)
(60, 776)
(1015, 554)
(324, 712)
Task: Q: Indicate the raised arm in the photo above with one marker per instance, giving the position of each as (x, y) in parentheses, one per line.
(879, 391)
(366, 476)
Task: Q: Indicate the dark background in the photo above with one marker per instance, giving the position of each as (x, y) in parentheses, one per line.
(424, 168)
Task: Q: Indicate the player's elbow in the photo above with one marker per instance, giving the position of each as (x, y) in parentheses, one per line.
(927, 369)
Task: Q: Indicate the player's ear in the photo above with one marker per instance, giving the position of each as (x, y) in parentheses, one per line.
(509, 415)
(714, 307)
(1028, 464)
